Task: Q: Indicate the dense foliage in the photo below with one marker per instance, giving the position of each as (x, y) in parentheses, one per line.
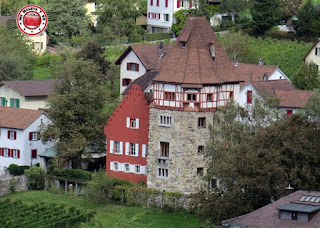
(76, 110)
(307, 78)
(16, 57)
(72, 173)
(265, 14)
(17, 170)
(16, 213)
(255, 160)
(35, 176)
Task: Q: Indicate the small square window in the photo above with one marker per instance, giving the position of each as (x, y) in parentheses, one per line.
(192, 97)
(116, 165)
(169, 96)
(213, 184)
(117, 149)
(200, 149)
(209, 97)
(127, 167)
(132, 149)
(137, 168)
(163, 172)
(126, 81)
(200, 172)
(202, 122)
(164, 149)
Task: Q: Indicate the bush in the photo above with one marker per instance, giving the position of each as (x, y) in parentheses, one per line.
(47, 60)
(72, 173)
(16, 170)
(103, 189)
(35, 178)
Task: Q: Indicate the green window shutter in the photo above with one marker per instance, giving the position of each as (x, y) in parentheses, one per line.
(3, 101)
(17, 103)
(11, 102)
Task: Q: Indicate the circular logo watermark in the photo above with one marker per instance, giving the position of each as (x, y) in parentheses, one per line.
(32, 20)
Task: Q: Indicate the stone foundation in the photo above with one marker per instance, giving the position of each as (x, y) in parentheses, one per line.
(19, 183)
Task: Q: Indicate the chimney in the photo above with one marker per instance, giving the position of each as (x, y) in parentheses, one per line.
(261, 61)
(160, 46)
(265, 77)
(289, 190)
(213, 51)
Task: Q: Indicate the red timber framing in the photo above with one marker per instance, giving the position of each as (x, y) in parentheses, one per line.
(219, 95)
(127, 145)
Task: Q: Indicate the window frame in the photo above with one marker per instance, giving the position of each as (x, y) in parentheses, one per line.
(164, 149)
(202, 122)
(6, 152)
(136, 167)
(116, 145)
(132, 149)
(163, 172)
(249, 96)
(126, 81)
(169, 96)
(165, 120)
(125, 167)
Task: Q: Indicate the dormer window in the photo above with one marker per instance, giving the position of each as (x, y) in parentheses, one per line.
(213, 51)
(298, 211)
(183, 44)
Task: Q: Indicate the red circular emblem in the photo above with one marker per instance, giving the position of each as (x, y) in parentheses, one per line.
(32, 20)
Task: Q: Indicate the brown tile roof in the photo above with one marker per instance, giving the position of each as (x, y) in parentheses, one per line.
(293, 98)
(268, 87)
(17, 118)
(315, 43)
(144, 81)
(253, 72)
(31, 88)
(148, 54)
(193, 64)
(268, 216)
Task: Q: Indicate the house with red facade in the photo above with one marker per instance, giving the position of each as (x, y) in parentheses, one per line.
(127, 137)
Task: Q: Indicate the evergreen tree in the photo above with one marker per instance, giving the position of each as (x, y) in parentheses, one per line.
(265, 15)
(76, 110)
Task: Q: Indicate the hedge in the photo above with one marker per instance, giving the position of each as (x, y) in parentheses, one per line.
(16, 170)
(72, 173)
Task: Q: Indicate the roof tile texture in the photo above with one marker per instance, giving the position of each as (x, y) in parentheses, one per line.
(17, 118)
(293, 98)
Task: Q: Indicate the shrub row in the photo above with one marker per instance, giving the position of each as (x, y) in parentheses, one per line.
(16, 170)
(72, 173)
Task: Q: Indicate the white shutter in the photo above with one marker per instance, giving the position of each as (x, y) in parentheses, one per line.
(121, 168)
(111, 146)
(137, 122)
(131, 168)
(111, 166)
(127, 148)
(128, 122)
(137, 150)
(144, 150)
(121, 147)
(142, 169)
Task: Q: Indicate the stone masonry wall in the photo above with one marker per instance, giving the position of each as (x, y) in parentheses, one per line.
(184, 137)
(19, 183)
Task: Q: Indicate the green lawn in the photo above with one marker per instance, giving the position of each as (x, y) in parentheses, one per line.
(109, 214)
(40, 73)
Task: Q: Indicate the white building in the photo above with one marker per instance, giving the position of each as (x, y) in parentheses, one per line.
(313, 55)
(19, 136)
(30, 94)
(160, 13)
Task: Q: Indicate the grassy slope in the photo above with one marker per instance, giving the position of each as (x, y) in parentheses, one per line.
(108, 213)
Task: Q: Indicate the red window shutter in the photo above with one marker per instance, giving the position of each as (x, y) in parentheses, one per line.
(151, 2)
(11, 152)
(123, 82)
(128, 66)
(159, 15)
(190, 6)
(1, 151)
(30, 136)
(178, 4)
(18, 153)
(289, 112)
(137, 67)
(15, 135)
(157, 2)
(249, 97)
(166, 3)
(33, 153)
(8, 134)
(149, 15)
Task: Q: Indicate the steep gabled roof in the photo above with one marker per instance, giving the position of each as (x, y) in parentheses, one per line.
(253, 72)
(268, 216)
(193, 64)
(293, 98)
(148, 54)
(32, 88)
(268, 87)
(315, 44)
(18, 118)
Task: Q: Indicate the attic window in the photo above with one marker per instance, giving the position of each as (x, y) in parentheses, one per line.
(213, 51)
(161, 56)
(183, 44)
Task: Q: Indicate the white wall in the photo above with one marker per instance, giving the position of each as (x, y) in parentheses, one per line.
(36, 42)
(243, 95)
(25, 102)
(124, 73)
(23, 144)
(278, 74)
(314, 58)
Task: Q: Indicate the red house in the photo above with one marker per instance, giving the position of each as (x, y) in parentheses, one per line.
(127, 137)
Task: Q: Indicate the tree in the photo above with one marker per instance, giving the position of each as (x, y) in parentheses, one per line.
(312, 107)
(76, 110)
(117, 17)
(67, 18)
(307, 78)
(289, 8)
(237, 47)
(255, 166)
(265, 14)
(233, 6)
(308, 20)
(181, 17)
(16, 57)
